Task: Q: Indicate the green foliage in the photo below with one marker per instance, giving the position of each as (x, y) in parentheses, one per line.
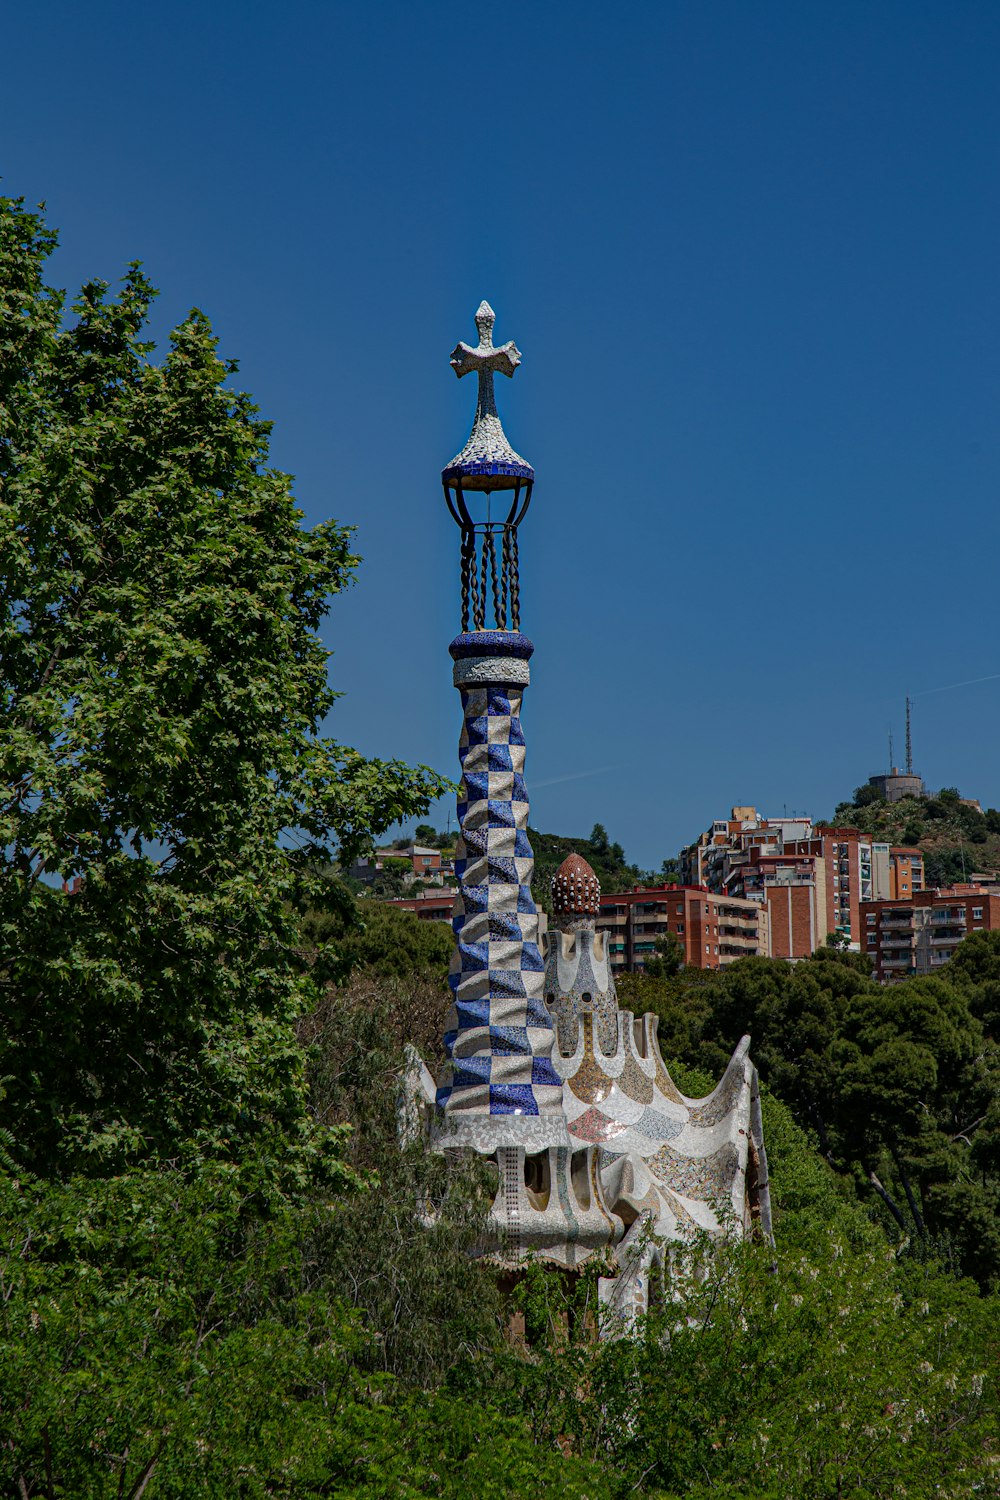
(400, 1253)
(158, 1336)
(165, 796)
(825, 1369)
(373, 937)
(941, 827)
(431, 838)
(607, 860)
(667, 957)
(682, 1003)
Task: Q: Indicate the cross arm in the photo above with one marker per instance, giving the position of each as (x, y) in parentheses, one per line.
(503, 361)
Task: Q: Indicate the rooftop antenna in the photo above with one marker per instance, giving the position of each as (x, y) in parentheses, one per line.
(891, 762)
(909, 747)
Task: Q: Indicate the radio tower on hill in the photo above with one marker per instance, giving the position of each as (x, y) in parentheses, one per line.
(909, 745)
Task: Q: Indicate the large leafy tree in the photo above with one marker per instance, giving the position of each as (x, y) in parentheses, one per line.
(166, 795)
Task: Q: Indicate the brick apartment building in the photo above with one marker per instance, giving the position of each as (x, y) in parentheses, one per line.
(858, 869)
(919, 934)
(792, 890)
(811, 880)
(712, 930)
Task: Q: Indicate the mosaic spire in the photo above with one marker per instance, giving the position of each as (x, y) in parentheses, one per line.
(500, 1088)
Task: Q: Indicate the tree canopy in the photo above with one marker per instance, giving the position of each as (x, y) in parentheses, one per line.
(167, 793)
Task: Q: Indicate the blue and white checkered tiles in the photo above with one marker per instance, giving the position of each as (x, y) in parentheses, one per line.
(499, 1036)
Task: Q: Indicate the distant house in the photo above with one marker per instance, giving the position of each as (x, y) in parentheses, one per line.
(430, 906)
(414, 861)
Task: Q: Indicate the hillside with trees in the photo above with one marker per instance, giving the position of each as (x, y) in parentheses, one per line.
(221, 1273)
(955, 839)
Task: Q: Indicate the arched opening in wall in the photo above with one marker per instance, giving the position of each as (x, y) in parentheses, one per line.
(550, 999)
(639, 1037)
(538, 1180)
(579, 1174)
(600, 945)
(586, 997)
(543, 944)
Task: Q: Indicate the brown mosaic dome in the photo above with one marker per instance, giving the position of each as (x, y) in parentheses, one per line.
(576, 890)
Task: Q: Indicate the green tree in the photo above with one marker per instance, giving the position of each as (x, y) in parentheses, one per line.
(384, 939)
(598, 841)
(667, 957)
(794, 1013)
(166, 797)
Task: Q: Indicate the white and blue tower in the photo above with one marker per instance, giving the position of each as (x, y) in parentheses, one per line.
(500, 1088)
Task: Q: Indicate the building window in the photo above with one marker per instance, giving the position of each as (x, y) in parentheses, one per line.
(977, 913)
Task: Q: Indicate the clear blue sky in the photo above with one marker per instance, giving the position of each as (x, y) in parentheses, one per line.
(750, 254)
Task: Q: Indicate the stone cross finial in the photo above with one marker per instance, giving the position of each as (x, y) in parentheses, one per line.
(486, 360)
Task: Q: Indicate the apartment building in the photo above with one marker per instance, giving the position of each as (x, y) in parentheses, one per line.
(813, 880)
(712, 930)
(792, 888)
(904, 872)
(729, 842)
(919, 935)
